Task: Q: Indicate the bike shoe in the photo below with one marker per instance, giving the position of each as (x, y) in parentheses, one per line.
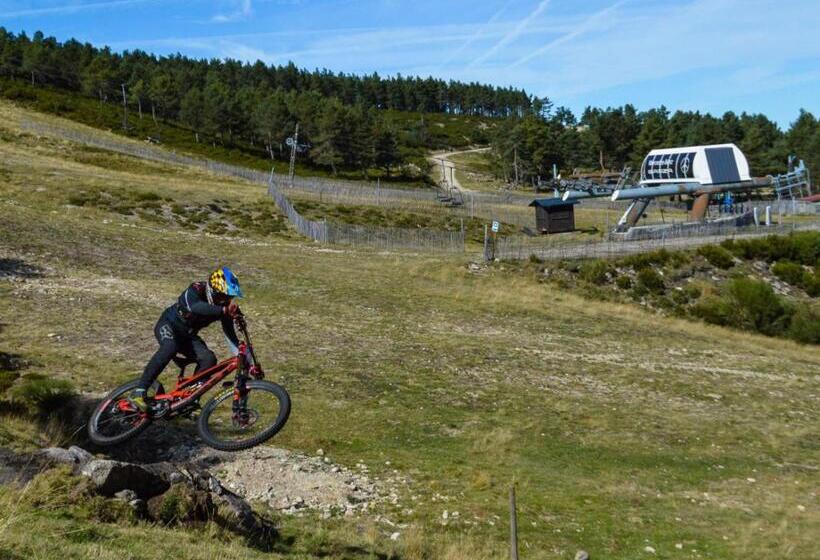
(140, 401)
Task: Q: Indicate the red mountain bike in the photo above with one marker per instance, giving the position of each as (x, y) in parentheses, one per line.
(249, 412)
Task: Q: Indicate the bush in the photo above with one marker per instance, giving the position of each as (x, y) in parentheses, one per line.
(146, 196)
(680, 297)
(758, 307)
(42, 394)
(789, 272)
(717, 256)
(624, 282)
(595, 272)
(713, 309)
(801, 247)
(646, 260)
(805, 325)
(7, 379)
(692, 291)
(649, 279)
(811, 282)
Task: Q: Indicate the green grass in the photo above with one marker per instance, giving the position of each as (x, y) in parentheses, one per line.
(621, 428)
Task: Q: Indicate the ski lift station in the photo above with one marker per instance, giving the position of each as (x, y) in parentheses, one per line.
(706, 165)
(699, 172)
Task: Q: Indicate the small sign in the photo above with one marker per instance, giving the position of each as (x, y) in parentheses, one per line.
(496, 226)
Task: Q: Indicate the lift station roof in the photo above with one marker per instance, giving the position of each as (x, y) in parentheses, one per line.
(707, 165)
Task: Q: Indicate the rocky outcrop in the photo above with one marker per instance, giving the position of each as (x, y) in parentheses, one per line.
(110, 477)
(73, 455)
(180, 493)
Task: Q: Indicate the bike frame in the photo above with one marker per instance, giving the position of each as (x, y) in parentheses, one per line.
(189, 389)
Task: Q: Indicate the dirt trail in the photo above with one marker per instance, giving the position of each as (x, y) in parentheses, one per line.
(447, 174)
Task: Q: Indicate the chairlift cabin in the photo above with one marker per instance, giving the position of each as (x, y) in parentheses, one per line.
(707, 165)
(553, 215)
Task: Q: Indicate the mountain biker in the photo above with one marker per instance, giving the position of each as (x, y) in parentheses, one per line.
(201, 304)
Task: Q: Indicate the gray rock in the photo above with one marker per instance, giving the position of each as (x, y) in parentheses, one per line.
(140, 506)
(109, 477)
(58, 455)
(176, 477)
(582, 555)
(81, 455)
(126, 495)
(72, 456)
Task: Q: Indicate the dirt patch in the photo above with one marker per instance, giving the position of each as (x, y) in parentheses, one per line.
(293, 483)
(290, 482)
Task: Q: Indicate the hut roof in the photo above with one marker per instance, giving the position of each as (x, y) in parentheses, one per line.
(552, 202)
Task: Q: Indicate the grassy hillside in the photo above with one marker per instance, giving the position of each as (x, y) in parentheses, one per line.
(418, 131)
(766, 284)
(625, 431)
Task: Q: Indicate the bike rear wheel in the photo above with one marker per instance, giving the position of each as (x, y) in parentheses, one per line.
(266, 412)
(114, 421)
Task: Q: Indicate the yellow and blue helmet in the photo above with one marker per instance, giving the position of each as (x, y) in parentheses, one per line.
(224, 281)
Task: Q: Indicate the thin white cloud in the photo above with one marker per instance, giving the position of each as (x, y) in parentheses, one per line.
(480, 33)
(592, 23)
(72, 8)
(513, 34)
(244, 11)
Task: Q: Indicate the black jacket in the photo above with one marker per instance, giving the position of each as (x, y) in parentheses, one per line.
(192, 312)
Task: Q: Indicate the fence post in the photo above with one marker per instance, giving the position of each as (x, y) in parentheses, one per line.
(513, 525)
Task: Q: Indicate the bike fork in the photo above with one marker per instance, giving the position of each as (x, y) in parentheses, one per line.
(240, 394)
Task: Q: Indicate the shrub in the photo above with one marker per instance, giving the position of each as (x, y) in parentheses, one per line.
(7, 379)
(646, 260)
(624, 282)
(42, 394)
(717, 256)
(692, 291)
(713, 309)
(680, 297)
(594, 272)
(811, 282)
(805, 325)
(144, 196)
(649, 279)
(801, 247)
(757, 307)
(789, 272)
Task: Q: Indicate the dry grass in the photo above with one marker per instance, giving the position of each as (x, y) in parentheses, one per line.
(613, 421)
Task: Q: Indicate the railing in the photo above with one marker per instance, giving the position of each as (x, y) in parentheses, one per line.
(553, 248)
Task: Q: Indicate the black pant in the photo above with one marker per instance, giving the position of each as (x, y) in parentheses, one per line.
(171, 343)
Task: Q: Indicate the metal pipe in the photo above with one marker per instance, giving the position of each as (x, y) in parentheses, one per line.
(576, 194)
(687, 188)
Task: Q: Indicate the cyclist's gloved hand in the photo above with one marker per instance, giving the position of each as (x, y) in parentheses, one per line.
(232, 310)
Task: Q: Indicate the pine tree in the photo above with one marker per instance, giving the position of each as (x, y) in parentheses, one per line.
(386, 149)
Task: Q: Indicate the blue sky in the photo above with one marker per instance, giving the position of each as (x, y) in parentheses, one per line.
(709, 55)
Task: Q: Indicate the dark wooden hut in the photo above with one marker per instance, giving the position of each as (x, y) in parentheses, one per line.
(553, 215)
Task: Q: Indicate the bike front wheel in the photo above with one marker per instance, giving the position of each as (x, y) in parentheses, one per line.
(265, 413)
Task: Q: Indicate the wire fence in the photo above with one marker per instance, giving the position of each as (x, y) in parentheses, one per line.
(323, 232)
(363, 236)
(317, 231)
(552, 248)
(508, 208)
